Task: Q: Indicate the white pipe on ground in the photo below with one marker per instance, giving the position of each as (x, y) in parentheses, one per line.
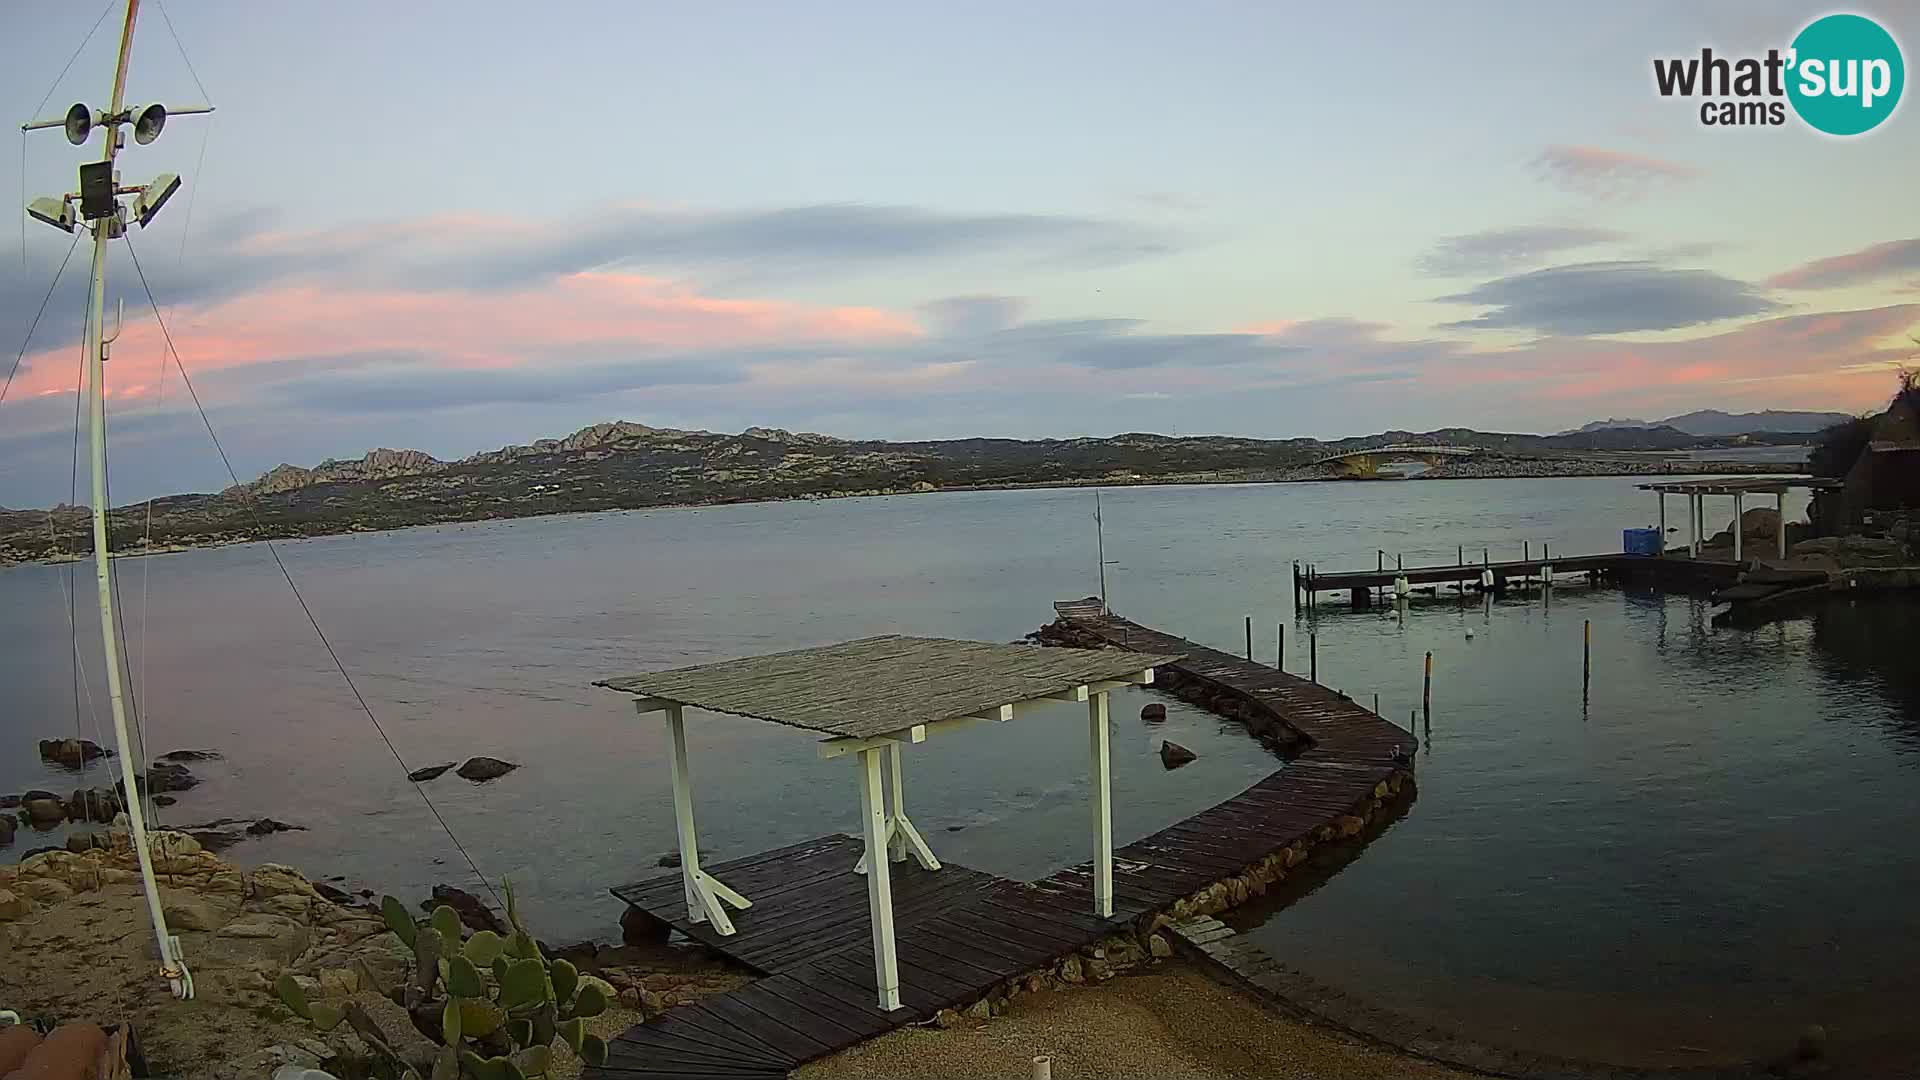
(1042, 1067)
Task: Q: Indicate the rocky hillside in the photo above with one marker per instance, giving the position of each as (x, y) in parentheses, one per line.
(625, 465)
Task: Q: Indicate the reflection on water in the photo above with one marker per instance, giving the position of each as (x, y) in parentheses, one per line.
(1711, 849)
(1711, 841)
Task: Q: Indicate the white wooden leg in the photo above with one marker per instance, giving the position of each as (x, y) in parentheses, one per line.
(1780, 534)
(1663, 523)
(902, 838)
(1097, 741)
(873, 823)
(1737, 530)
(703, 891)
(896, 801)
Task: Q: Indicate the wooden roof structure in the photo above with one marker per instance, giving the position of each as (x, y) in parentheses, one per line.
(873, 697)
(1757, 485)
(877, 685)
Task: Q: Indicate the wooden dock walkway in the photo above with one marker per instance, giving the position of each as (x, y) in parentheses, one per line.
(961, 933)
(1309, 581)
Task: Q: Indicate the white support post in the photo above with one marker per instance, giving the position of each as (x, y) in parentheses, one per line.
(1780, 531)
(1663, 522)
(1693, 525)
(1738, 526)
(1098, 745)
(704, 892)
(896, 803)
(901, 837)
(873, 823)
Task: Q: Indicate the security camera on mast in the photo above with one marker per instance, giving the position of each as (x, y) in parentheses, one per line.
(98, 201)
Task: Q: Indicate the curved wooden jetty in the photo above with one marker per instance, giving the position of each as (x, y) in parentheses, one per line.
(962, 933)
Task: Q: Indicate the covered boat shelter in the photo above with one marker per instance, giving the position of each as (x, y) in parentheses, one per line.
(871, 698)
(1696, 491)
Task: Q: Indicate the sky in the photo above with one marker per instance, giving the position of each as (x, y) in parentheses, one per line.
(452, 227)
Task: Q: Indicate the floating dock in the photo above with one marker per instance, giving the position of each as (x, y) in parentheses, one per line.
(962, 934)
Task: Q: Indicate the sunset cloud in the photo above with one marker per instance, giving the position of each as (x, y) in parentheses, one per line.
(1608, 298)
(1609, 174)
(1492, 251)
(1891, 259)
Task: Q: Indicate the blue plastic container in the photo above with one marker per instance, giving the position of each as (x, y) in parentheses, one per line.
(1640, 541)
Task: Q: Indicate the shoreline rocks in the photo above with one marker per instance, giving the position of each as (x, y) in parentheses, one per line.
(481, 769)
(72, 753)
(431, 772)
(1173, 755)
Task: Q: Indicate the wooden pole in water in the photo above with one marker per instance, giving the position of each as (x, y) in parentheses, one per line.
(1526, 552)
(1280, 646)
(1376, 704)
(1249, 639)
(1426, 690)
(1313, 656)
(1461, 559)
(1586, 655)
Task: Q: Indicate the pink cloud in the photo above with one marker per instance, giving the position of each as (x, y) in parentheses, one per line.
(460, 329)
(1609, 174)
(1834, 359)
(1853, 268)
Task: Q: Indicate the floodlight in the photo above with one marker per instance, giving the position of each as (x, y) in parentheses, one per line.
(78, 124)
(154, 196)
(55, 212)
(147, 123)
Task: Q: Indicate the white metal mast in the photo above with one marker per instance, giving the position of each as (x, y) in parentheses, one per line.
(99, 199)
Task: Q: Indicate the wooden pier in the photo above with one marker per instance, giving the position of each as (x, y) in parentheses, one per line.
(962, 933)
(1496, 577)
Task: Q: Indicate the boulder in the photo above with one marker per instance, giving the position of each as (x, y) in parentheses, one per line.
(472, 910)
(190, 755)
(273, 879)
(7, 827)
(9, 802)
(431, 772)
(1159, 946)
(93, 804)
(188, 911)
(671, 858)
(45, 812)
(163, 777)
(87, 839)
(45, 890)
(1173, 755)
(268, 825)
(14, 906)
(164, 800)
(72, 753)
(478, 769)
(1153, 712)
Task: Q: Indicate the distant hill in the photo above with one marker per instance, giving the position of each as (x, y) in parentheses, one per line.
(1713, 423)
(624, 465)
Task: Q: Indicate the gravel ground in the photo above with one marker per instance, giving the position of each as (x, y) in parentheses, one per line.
(1172, 1021)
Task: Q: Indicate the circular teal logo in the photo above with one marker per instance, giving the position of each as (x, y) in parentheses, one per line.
(1846, 74)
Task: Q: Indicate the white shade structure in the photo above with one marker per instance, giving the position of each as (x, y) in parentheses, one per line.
(871, 697)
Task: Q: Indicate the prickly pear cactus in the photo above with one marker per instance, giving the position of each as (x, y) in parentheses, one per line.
(494, 1005)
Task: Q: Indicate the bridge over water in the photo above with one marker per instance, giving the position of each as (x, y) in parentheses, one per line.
(1365, 460)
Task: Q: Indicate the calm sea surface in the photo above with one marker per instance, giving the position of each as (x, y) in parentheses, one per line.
(1716, 840)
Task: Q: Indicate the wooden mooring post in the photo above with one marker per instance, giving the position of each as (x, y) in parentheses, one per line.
(1586, 655)
(1249, 639)
(1313, 656)
(1426, 690)
(1280, 646)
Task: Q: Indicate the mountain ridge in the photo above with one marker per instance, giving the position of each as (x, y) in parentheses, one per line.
(1714, 422)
